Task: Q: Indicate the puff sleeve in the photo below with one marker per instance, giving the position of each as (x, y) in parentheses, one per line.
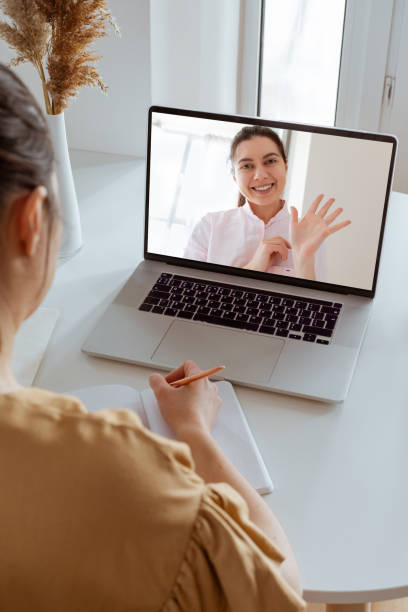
(229, 563)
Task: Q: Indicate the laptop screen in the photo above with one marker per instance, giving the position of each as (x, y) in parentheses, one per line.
(291, 203)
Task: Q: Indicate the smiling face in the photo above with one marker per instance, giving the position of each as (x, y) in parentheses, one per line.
(260, 170)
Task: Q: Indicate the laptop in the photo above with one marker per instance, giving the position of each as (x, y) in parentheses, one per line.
(261, 251)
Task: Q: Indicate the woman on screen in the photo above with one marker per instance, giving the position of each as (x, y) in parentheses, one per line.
(260, 234)
(97, 512)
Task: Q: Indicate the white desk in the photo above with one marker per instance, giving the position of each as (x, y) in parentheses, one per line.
(340, 471)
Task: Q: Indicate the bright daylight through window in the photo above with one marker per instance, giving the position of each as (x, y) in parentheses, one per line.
(302, 43)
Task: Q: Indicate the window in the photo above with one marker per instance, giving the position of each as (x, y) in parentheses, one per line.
(302, 44)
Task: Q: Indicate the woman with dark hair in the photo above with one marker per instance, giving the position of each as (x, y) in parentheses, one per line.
(260, 234)
(98, 513)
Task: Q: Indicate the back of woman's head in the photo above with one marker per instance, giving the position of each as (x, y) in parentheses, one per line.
(26, 152)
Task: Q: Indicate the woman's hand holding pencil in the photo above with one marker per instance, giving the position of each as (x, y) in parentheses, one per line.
(198, 376)
(186, 398)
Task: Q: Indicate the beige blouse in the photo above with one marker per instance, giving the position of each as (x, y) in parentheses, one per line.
(99, 514)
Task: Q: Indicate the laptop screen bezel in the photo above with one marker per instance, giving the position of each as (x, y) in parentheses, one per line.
(266, 276)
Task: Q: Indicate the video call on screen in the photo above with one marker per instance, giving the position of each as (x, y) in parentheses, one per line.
(290, 184)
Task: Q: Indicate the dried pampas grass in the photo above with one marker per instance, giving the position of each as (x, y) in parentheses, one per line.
(55, 36)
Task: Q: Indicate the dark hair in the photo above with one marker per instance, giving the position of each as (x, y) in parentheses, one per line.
(248, 132)
(26, 151)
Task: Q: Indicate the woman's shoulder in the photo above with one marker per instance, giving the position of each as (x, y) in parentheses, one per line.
(29, 405)
(34, 404)
(100, 483)
(121, 430)
(221, 216)
(109, 446)
(227, 212)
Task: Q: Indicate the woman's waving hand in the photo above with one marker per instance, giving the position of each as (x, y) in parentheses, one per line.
(308, 234)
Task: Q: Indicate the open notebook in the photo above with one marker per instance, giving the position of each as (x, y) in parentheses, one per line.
(231, 429)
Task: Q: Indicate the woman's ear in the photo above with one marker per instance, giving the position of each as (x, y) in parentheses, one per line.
(30, 219)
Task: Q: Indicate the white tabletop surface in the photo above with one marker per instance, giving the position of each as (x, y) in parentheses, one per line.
(340, 471)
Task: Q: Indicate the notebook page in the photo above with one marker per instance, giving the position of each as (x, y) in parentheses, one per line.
(231, 431)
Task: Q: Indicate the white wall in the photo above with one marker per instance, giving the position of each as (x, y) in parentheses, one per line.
(172, 52)
(194, 53)
(115, 123)
(355, 172)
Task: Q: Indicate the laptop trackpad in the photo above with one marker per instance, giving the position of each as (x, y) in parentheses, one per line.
(247, 357)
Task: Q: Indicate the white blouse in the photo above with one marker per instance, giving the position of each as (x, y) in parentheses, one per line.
(231, 237)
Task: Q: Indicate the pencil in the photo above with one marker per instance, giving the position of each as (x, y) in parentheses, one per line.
(189, 379)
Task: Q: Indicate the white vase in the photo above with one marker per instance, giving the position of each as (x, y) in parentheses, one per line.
(71, 241)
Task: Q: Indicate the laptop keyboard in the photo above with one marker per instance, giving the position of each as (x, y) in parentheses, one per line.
(265, 312)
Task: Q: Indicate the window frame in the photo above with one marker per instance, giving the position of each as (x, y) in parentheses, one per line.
(366, 34)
